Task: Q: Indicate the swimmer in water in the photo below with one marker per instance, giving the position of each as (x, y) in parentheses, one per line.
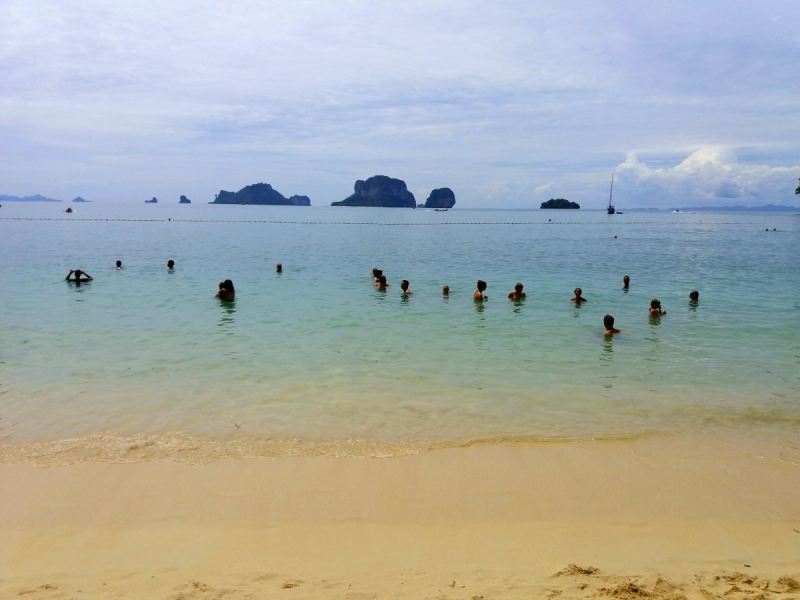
(694, 296)
(381, 282)
(608, 321)
(578, 298)
(626, 282)
(655, 308)
(446, 290)
(226, 291)
(119, 265)
(279, 268)
(517, 294)
(376, 274)
(170, 264)
(79, 275)
(478, 295)
(404, 287)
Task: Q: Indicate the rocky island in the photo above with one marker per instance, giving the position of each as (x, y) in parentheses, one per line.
(441, 198)
(559, 203)
(79, 199)
(380, 191)
(36, 198)
(184, 200)
(153, 201)
(259, 193)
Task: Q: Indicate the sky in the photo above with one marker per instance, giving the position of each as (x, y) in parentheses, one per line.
(507, 102)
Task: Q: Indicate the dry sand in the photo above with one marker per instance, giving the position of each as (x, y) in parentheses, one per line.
(659, 518)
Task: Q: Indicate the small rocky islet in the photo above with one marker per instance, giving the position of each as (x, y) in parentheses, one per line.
(388, 192)
(260, 194)
(559, 203)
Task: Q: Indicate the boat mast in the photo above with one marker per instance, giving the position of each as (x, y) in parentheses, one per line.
(611, 193)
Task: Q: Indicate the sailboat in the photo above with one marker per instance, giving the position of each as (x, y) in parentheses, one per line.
(610, 209)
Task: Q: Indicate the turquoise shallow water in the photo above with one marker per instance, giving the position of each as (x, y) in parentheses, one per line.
(317, 355)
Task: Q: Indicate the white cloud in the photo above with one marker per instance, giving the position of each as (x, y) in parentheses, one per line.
(707, 177)
(542, 189)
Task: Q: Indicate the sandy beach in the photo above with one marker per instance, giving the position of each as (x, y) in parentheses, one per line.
(660, 517)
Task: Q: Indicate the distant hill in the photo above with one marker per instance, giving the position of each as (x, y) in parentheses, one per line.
(261, 194)
(36, 198)
(79, 199)
(380, 191)
(441, 198)
(559, 203)
(765, 208)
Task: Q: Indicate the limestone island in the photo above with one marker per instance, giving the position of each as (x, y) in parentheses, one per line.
(184, 200)
(380, 191)
(79, 199)
(153, 201)
(559, 203)
(261, 194)
(441, 198)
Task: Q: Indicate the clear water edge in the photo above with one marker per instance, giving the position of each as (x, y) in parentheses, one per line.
(143, 363)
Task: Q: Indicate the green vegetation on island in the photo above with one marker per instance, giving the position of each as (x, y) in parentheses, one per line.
(797, 191)
(380, 191)
(559, 203)
(261, 194)
(441, 198)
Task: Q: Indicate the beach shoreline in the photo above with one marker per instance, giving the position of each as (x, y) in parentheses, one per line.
(501, 521)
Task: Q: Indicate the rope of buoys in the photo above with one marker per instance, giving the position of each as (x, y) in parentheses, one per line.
(384, 224)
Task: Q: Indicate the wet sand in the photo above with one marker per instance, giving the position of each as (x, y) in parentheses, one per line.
(655, 518)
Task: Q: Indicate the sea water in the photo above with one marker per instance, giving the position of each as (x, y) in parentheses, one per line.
(317, 360)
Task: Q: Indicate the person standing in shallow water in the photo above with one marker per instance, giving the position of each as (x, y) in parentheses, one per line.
(170, 264)
(694, 296)
(517, 294)
(478, 296)
(655, 308)
(279, 268)
(79, 276)
(404, 287)
(578, 296)
(446, 290)
(118, 266)
(381, 282)
(626, 282)
(226, 291)
(608, 322)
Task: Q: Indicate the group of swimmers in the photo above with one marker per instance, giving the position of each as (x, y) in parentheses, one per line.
(518, 294)
(228, 292)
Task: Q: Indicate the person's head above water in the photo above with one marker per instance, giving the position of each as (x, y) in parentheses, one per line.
(694, 296)
(481, 285)
(626, 281)
(119, 264)
(608, 321)
(375, 272)
(446, 290)
(578, 292)
(170, 264)
(381, 281)
(518, 287)
(655, 303)
(404, 285)
(279, 268)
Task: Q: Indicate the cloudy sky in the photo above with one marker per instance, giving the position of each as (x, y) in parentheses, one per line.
(507, 102)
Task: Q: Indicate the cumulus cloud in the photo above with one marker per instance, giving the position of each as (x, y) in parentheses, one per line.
(707, 177)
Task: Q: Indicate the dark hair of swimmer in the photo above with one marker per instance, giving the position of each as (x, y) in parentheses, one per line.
(119, 264)
(626, 280)
(170, 264)
(446, 290)
(404, 284)
(375, 272)
(608, 321)
(518, 287)
(228, 285)
(279, 268)
(654, 303)
(694, 295)
(481, 285)
(382, 280)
